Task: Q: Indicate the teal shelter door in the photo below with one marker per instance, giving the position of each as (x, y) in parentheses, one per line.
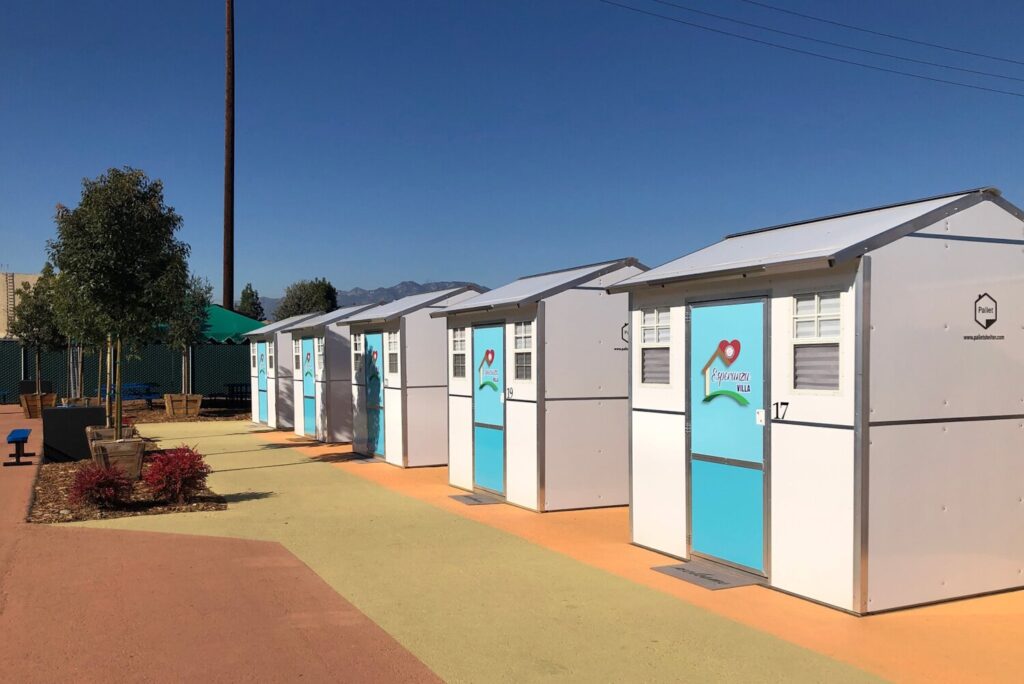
(489, 408)
(308, 389)
(727, 397)
(373, 366)
(261, 379)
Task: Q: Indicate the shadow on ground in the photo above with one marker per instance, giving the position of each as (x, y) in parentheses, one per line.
(238, 497)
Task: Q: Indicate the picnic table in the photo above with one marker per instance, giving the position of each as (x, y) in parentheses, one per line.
(239, 392)
(137, 391)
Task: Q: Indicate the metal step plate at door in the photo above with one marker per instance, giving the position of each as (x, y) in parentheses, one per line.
(373, 365)
(727, 387)
(489, 408)
(261, 379)
(308, 388)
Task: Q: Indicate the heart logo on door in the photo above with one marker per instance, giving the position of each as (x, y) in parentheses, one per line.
(489, 356)
(730, 351)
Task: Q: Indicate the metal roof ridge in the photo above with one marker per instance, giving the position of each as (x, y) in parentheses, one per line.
(574, 268)
(984, 189)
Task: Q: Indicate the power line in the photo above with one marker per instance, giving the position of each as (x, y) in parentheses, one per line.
(881, 33)
(835, 44)
(810, 53)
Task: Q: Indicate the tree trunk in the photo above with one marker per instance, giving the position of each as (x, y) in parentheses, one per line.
(110, 379)
(186, 384)
(229, 157)
(39, 371)
(81, 372)
(117, 381)
(99, 374)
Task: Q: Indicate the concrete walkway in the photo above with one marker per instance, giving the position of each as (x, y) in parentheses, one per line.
(82, 605)
(473, 602)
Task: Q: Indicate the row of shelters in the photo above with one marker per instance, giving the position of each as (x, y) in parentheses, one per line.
(835, 406)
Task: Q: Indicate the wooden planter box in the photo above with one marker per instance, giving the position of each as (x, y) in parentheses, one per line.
(125, 454)
(181, 405)
(99, 433)
(33, 404)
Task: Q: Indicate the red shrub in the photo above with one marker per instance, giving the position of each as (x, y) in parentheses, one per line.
(176, 475)
(105, 487)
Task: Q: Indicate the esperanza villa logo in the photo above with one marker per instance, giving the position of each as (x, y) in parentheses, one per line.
(487, 377)
(727, 352)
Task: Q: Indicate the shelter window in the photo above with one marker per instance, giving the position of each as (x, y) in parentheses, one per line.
(524, 350)
(252, 348)
(297, 351)
(816, 330)
(320, 355)
(357, 351)
(458, 352)
(655, 340)
(392, 352)
(524, 366)
(270, 356)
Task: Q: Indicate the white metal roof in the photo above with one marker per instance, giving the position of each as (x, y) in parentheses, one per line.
(824, 241)
(278, 326)
(531, 289)
(331, 317)
(405, 305)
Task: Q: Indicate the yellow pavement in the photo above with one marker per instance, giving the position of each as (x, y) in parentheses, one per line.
(474, 602)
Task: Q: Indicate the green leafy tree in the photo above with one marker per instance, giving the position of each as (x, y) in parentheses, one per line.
(35, 320)
(250, 305)
(185, 326)
(118, 251)
(80, 325)
(307, 296)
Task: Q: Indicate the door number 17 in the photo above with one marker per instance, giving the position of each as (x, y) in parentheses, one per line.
(779, 409)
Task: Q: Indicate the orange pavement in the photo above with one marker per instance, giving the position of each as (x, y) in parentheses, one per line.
(979, 639)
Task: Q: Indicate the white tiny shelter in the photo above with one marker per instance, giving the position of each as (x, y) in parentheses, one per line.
(537, 389)
(399, 411)
(322, 375)
(838, 404)
(272, 382)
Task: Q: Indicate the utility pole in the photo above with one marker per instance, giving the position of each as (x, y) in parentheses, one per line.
(229, 158)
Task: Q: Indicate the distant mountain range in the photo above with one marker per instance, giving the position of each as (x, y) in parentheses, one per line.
(358, 295)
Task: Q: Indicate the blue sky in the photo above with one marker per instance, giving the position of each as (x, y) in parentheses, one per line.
(423, 140)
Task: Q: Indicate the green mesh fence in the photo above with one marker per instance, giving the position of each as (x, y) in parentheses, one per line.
(10, 371)
(215, 368)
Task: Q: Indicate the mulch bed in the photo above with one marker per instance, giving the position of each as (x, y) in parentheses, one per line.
(52, 503)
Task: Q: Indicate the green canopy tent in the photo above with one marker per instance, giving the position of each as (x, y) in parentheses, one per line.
(219, 363)
(227, 327)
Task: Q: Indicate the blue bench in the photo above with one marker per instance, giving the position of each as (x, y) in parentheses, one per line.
(19, 438)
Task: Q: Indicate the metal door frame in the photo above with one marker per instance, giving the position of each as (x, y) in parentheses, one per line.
(266, 380)
(697, 302)
(302, 380)
(366, 385)
(504, 407)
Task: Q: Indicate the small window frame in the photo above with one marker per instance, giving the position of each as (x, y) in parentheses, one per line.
(458, 353)
(818, 339)
(523, 354)
(662, 322)
(393, 350)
